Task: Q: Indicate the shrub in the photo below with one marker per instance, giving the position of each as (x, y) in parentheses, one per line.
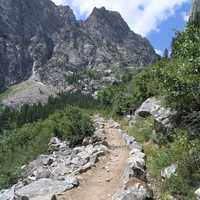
(185, 153)
(21, 145)
(73, 125)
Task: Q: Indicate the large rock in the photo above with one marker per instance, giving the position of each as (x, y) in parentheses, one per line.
(135, 167)
(136, 192)
(131, 143)
(153, 107)
(44, 189)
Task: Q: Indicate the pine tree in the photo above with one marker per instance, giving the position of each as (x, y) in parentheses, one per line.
(166, 53)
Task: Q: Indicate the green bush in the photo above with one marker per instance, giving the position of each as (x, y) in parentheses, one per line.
(185, 153)
(130, 93)
(11, 118)
(74, 126)
(21, 145)
(176, 79)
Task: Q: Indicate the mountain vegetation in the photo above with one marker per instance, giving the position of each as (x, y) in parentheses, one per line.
(26, 132)
(175, 81)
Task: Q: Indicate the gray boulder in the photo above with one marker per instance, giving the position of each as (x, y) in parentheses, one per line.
(44, 189)
(135, 168)
(7, 194)
(153, 107)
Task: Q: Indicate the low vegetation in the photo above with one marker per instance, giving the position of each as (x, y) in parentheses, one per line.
(12, 118)
(176, 80)
(21, 145)
(181, 150)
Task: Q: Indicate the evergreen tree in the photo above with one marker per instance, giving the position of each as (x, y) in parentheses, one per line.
(166, 53)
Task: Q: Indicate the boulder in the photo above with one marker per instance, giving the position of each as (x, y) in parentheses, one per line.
(48, 161)
(8, 194)
(138, 153)
(153, 107)
(61, 170)
(169, 171)
(85, 168)
(136, 192)
(44, 189)
(135, 168)
(128, 139)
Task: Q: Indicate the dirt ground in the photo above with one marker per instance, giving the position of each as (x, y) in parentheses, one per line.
(102, 181)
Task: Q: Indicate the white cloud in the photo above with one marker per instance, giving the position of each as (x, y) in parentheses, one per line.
(159, 52)
(59, 2)
(185, 16)
(143, 16)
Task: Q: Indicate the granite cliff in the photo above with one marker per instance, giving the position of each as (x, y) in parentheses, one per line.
(46, 43)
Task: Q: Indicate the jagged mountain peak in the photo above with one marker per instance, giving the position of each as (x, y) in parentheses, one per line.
(107, 24)
(38, 36)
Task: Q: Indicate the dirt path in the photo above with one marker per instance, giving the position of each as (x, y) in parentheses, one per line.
(101, 182)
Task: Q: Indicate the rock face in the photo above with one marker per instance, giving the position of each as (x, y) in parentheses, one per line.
(45, 41)
(195, 13)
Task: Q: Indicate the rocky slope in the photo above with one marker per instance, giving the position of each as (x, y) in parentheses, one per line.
(86, 171)
(45, 41)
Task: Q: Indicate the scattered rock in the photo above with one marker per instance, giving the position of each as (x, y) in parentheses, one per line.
(55, 173)
(48, 161)
(135, 168)
(135, 186)
(44, 188)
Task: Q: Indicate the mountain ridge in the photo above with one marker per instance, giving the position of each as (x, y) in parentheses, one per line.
(47, 40)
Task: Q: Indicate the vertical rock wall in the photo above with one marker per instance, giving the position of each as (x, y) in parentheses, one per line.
(195, 12)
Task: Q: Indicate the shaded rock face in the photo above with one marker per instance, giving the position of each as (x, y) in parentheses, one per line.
(26, 36)
(41, 38)
(195, 13)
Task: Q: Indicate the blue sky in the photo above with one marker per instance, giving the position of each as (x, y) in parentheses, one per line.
(155, 19)
(162, 39)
